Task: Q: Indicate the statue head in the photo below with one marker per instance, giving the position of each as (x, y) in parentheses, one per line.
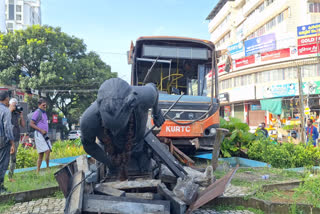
(116, 101)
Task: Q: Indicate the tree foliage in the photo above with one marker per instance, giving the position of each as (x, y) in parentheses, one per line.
(55, 64)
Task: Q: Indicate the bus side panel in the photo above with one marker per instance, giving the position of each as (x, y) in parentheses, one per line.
(171, 130)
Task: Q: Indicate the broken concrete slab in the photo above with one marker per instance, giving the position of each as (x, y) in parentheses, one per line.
(149, 185)
(203, 179)
(177, 205)
(145, 195)
(166, 176)
(186, 190)
(110, 204)
(107, 190)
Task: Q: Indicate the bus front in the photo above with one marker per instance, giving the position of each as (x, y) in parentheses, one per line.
(180, 65)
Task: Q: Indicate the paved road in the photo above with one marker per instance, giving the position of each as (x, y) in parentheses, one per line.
(56, 206)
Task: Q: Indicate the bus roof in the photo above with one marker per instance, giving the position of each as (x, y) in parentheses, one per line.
(174, 38)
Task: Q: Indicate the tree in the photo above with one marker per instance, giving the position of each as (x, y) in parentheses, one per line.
(57, 65)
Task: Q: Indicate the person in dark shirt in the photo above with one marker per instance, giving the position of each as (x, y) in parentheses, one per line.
(6, 138)
(263, 130)
(17, 120)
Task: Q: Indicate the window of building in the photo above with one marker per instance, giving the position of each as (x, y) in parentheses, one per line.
(261, 31)
(11, 12)
(280, 18)
(18, 8)
(314, 7)
(261, 7)
(268, 2)
(18, 17)
(10, 26)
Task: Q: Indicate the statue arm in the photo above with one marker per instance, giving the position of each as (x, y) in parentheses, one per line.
(89, 125)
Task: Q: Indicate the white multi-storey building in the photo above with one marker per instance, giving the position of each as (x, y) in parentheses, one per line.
(2, 16)
(268, 41)
(22, 13)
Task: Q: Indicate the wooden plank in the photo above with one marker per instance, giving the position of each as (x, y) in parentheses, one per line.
(110, 204)
(146, 185)
(76, 198)
(177, 205)
(107, 190)
(82, 163)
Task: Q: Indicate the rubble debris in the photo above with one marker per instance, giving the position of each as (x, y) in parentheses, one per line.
(145, 195)
(177, 205)
(142, 185)
(214, 190)
(107, 190)
(203, 179)
(76, 196)
(125, 205)
(186, 190)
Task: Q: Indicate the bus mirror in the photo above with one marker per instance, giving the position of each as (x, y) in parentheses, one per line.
(175, 91)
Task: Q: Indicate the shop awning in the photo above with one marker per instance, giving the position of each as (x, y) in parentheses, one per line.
(272, 105)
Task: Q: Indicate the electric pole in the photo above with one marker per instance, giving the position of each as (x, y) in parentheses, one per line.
(302, 118)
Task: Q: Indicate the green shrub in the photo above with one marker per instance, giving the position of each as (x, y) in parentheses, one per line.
(60, 149)
(286, 155)
(239, 137)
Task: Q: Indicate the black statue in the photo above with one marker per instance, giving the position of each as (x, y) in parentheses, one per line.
(118, 119)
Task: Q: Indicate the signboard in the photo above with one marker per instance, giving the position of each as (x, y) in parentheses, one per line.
(277, 54)
(221, 68)
(260, 44)
(308, 40)
(307, 111)
(224, 97)
(236, 48)
(242, 93)
(64, 121)
(227, 112)
(308, 49)
(308, 30)
(54, 118)
(245, 61)
(283, 90)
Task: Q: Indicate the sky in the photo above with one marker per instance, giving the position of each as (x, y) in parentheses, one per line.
(108, 26)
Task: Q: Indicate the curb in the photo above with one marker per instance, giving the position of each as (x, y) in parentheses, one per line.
(266, 206)
(29, 195)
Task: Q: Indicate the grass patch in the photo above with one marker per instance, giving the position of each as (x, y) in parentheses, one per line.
(6, 206)
(58, 195)
(26, 181)
(228, 208)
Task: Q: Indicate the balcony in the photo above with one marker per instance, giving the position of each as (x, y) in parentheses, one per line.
(253, 23)
(218, 34)
(250, 6)
(215, 22)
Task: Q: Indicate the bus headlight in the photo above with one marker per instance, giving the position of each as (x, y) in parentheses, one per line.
(213, 131)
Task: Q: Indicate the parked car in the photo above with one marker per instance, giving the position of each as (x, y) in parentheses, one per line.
(74, 134)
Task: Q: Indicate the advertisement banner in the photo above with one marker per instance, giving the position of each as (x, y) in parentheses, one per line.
(277, 54)
(308, 49)
(236, 48)
(308, 30)
(221, 68)
(54, 118)
(260, 44)
(283, 90)
(245, 61)
(308, 40)
(242, 93)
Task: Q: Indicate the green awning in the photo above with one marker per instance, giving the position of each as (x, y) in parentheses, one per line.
(272, 105)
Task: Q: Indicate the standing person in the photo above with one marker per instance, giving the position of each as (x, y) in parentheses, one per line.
(39, 122)
(6, 137)
(263, 130)
(312, 133)
(17, 120)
